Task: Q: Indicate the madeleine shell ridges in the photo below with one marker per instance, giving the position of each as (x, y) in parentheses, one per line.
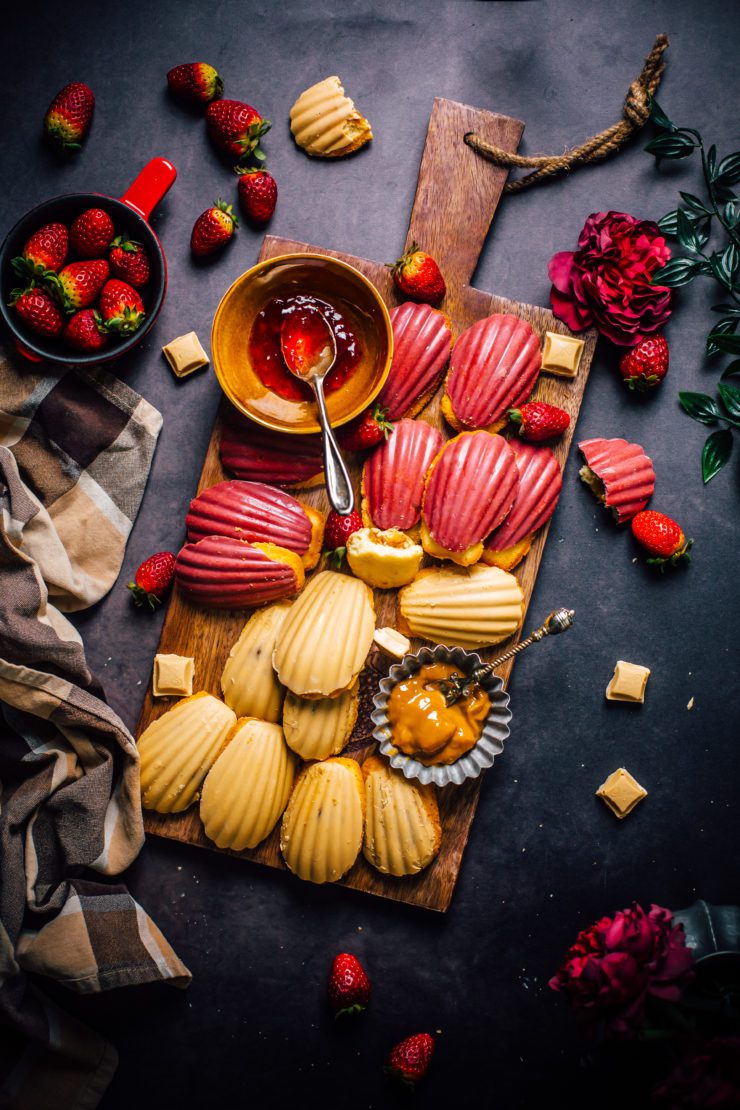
(321, 831)
(248, 682)
(325, 122)
(471, 607)
(402, 827)
(248, 787)
(493, 367)
(625, 472)
(324, 641)
(258, 454)
(221, 572)
(177, 751)
(393, 475)
(422, 339)
(320, 727)
(540, 483)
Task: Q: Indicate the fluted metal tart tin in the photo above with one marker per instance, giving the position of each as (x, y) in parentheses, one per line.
(495, 728)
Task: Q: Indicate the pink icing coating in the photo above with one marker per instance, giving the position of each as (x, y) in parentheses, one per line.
(421, 348)
(540, 482)
(258, 454)
(393, 476)
(626, 471)
(493, 367)
(249, 511)
(224, 573)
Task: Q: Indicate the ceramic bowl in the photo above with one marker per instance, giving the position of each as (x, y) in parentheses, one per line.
(288, 274)
(495, 728)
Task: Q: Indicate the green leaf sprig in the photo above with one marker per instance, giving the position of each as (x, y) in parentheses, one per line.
(692, 224)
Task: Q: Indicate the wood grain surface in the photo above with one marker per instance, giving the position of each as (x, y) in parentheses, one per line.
(451, 215)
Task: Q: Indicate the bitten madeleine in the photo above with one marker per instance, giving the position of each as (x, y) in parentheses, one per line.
(470, 607)
(248, 786)
(469, 489)
(402, 827)
(320, 728)
(540, 482)
(177, 751)
(385, 560)
(224, 573)
(257, 513)
(393, 476)
(422, 340)
(248, 682)
(324, 640)
(325, 122)
(321, 832)
(260, 455)
(619, 474)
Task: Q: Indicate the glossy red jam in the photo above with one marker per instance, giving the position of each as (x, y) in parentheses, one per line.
(266, 355)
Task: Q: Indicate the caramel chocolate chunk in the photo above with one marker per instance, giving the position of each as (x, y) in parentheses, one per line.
(561, 354)
(628, 682)
(185, 354)
(393, 643)
(621, 792)
(172, 676)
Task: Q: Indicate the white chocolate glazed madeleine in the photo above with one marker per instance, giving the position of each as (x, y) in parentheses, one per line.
(402, 829)
(249, 683)
(177, 751)
(321, 832)
(471, 607)
(324, 641)
(248, 786)
(319, 728)
(326, 123)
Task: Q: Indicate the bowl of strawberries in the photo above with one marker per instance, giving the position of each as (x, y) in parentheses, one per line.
(84, 275)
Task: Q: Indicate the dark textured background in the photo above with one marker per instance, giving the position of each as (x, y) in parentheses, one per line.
(545, 857)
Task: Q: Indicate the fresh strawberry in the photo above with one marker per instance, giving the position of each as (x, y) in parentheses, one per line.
(213, 229)
(121, 307)
(195, 83)
(153, 579)
(38, 311)
(129, 261)
(418, 276)
(338, 530)
(69, 116)
(348, 987)
(85, 331)
(662, 538)
(44, 252)
(79, 283)
(410, 1059)
(644, 366)
(236, 128)
(538, 420)
(91, 233)
(370, 427)
(257, 194)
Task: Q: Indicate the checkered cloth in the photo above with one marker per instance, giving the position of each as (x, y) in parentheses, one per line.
(75, 453)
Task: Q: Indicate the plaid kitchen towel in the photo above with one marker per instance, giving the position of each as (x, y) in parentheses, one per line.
(75, 453)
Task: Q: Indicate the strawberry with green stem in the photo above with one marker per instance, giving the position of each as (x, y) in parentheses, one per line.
(348, 989)
(38, 311)
(410, 1059)
(662, 538)
(69, 116)
(45, 252)
(257, 194)
(236, 128)
(129, 261)
(337, 531)
(366, 430)
(418, 276)
(121, 307)
(79, 284)
(153, 579)
(213, 229)
(195, 83)
(86, 331)
(539, 421)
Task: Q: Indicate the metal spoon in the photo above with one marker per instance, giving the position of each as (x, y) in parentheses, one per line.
(458, 686)
(310, 351)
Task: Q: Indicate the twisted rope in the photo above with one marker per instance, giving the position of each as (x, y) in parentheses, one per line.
(635, 114)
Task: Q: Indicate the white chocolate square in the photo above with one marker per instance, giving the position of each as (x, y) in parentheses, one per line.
(172, 676)
(185, 354)
(392, 642)
(628, 682)
(561, 354)
(621, 792)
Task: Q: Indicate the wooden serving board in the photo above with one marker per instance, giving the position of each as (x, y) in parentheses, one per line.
(456, 197)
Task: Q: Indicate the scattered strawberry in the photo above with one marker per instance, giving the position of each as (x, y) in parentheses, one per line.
(257, 194)
(121, 307)
(79, 283)
(662, 538)
(644, 366)
(38, 311)
(367, 429)
(213, 229)
(418, 276)
(85, 331)
(129, 261)
(91, 233)
(69, 116)
(236, 128)
(338, 530)
(44, 252)
(153, 579)
(410, 1059)
(195, 83)
(348, 987)
(538, 420)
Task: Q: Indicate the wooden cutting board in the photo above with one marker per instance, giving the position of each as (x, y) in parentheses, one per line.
(456, 197)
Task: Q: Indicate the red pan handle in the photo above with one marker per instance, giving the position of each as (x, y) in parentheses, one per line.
(150, 186)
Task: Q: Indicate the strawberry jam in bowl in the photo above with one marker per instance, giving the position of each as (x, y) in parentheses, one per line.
(246, 340)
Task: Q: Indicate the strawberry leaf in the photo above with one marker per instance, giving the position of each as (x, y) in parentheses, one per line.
(699, 406)
(715, 454)
(730, 395)
(728, 171)
(677, 272)
(724, 327)
(730, 344)
(658, 116)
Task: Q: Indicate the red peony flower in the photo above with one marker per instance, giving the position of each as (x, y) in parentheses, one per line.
(617, 963)
(707, 1077)
(606, 282)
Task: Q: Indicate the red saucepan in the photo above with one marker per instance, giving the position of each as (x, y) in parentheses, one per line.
(130, 215)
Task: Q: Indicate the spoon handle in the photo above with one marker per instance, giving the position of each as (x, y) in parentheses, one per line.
(338, 486)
